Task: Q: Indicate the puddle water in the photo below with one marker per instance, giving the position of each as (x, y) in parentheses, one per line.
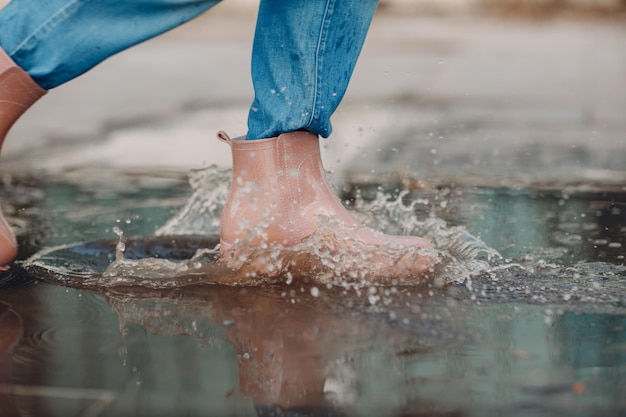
(538, 331)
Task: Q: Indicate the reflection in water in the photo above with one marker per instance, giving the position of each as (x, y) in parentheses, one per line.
(269, 350)
(296, 349)
(10, 332)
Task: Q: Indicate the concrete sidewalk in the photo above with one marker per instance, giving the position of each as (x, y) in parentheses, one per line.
(446, 99)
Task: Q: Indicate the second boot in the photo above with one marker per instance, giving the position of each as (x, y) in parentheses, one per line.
(18, 92)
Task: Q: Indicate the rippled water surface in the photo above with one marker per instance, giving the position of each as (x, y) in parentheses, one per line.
(531, 323)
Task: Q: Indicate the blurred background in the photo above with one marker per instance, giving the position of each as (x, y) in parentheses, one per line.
(480, 93)
(454, 89)
(457, 5)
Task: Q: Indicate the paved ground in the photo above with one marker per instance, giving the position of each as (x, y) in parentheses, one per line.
(447, 99)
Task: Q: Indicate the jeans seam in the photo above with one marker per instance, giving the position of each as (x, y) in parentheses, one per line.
(321, 44)
(50, 23)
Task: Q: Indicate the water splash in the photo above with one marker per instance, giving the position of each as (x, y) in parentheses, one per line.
(466, 254)
(323, 257)
(334, 255)
(201, 214)
(393, 215)
(154, 272)
(185, 254)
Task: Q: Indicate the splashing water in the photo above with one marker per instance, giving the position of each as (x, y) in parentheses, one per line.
(469, 253)
(322, 257)
(184, 252)
(159, 270)
(201, 214)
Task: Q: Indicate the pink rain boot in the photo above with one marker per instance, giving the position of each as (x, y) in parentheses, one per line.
(17, 93)
(282, 215)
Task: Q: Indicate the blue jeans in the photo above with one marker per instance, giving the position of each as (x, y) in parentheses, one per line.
(303, 55)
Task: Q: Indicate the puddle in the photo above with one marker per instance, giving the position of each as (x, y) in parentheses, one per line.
(538, 331)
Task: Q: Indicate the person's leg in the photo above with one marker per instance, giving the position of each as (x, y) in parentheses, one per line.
(55, 41)
(281, 212)
(44, 44)
(303, 57)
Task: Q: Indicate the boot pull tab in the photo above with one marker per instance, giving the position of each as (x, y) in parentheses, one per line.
(223, 136)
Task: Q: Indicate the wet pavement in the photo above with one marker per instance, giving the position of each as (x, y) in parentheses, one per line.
(482, 134)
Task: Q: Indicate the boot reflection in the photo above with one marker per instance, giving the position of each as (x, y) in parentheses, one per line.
(10, 334)
(288, 342)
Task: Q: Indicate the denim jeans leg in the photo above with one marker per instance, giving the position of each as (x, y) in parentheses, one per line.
(303, 56)
(55, 41)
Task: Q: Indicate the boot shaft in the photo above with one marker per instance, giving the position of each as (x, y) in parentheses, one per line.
(277, 186)
(273, 158)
